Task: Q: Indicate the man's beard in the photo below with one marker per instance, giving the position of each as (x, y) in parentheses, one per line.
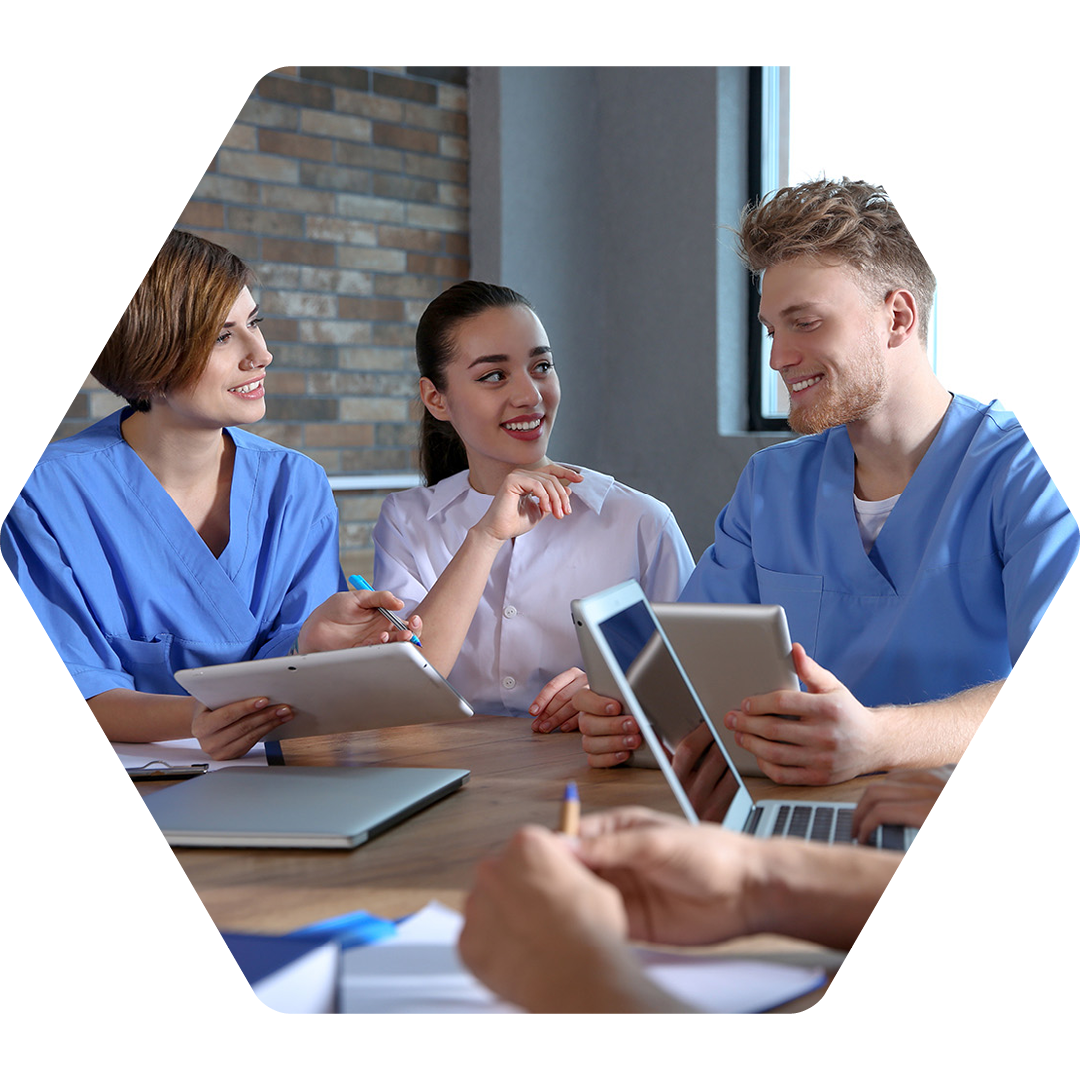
(853, 396)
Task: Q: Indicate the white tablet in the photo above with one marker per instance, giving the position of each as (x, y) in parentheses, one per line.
(627, 658)
(374, 686)
(729, 652)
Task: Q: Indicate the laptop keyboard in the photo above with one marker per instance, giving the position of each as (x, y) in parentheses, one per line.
(826, 824)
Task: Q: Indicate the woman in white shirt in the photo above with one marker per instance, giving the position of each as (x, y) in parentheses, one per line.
(491, 552)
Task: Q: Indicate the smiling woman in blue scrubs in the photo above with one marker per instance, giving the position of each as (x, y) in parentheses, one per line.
(163, 538)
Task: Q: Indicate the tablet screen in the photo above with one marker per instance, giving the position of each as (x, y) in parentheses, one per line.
(667, 703)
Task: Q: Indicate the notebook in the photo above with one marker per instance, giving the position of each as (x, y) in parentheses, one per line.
(653, 686)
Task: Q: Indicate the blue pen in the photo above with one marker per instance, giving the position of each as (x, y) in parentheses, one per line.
(570, 814)
(359, 583)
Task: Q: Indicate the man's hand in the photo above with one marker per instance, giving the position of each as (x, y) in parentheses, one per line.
(548, 921)
(681, 884)
(941, 799)
(553, 709)
(702, 770)
(349, 619)
(544, 932)
(831, 738)
(608, 735)
(685, 884)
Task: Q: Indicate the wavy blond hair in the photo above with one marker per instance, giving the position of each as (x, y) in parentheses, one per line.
(844, 221)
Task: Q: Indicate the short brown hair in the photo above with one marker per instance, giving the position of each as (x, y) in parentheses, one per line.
(842, 221)
(164, 338)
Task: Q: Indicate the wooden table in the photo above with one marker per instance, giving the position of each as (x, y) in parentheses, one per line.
(517, 778)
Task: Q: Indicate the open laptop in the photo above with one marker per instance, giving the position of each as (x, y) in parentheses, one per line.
(653, 687)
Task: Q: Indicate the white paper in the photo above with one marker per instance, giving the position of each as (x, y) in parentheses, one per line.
(418, 971)
(415, 971)
(306, 985)
(180, 752)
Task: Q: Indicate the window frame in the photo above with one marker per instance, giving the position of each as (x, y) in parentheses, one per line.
(1001, 211)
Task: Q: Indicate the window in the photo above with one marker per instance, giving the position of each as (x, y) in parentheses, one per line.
(1007, 252)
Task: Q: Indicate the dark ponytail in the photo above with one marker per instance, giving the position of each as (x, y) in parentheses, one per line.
(442, 453)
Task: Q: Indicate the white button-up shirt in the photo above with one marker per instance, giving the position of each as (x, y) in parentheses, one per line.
(522, 634)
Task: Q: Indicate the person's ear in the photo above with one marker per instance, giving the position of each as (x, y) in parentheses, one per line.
(434, 401)
(903, 316)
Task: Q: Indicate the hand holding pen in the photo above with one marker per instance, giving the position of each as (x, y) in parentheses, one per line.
(357, 582)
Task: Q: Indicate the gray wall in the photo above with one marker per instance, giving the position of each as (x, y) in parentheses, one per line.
(600, 193)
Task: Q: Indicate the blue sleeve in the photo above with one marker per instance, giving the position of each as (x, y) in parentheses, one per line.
(726, 573)
(317, 576)
(44, 574)
(1037, 540)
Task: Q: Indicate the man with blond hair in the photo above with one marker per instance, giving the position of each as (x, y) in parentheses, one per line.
(912, 534)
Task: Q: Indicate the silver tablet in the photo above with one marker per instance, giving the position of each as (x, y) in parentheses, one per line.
(374, 686)
(731, 652)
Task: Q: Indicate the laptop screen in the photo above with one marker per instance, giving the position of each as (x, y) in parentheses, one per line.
(669, 707)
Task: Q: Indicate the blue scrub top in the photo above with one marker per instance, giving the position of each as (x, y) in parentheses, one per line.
(952, 589)
(127, 589)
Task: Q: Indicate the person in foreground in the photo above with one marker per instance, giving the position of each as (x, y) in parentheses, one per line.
(491, 552)
(912, 535)
(162, 537)
(549, 921)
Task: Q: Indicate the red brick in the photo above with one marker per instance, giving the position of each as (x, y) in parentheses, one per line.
(202, 215)
(289, 144)
(299, 251)
(340, 434)
(404, 187)
(295, 92)
(457, 244)
(441, 265)
(363, 307)
(436, 168)
(410, 89)
(405, 138)
(433, 119)
(373, 106)
(410, 239)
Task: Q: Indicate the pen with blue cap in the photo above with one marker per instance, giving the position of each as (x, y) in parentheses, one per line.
(570, 813)
(359, 583)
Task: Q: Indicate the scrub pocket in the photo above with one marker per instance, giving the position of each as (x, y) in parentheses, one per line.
(800, 597)
(147, 662)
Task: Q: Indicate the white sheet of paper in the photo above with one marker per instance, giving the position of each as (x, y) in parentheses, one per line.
(307, 985)
(415, 971)
(418, 971)
(180, 752)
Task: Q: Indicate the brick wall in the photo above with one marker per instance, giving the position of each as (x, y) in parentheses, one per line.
(346, 190)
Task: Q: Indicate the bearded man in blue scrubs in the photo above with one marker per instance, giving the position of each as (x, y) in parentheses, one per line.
(912, 535)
